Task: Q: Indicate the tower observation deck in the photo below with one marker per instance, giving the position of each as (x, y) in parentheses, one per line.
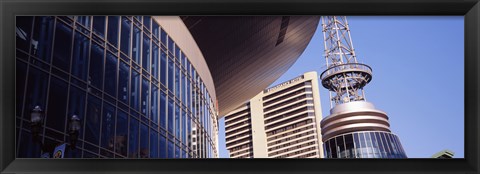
(354, 128)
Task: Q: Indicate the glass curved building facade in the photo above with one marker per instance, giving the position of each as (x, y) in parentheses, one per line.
(366, 144)
(138, 93)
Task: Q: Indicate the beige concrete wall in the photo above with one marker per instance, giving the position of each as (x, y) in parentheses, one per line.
(317, 107)
(259, 137)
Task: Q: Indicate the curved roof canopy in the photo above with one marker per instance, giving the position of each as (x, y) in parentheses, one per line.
(245, 54)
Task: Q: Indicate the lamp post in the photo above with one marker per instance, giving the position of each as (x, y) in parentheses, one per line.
(73, 130)
(36, 123)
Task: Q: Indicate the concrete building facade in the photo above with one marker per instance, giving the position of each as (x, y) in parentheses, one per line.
(279, 122)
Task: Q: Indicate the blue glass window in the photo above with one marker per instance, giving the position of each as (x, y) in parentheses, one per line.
(84, 20)
(170, 115)
(57, 104)
(153, 144)
(80, 56)
(62, 47)
(184, 125)
(20, 76)
(96, 66)
(170, 149)
(112, 36)
(380, 145)
(155, 29)
(23, 31)
(155, 64)
(163, 110)
(125, 39)
(386, 145)
(369, 144)
(177, 53)
(145, 96)
(163, 37)
(133, 138)
(123, 82)
(146, 53)
(146, 22)
(177, 81)
(154, 105)
(137, 34)
(92, 126)
(170, 75)
(111, 75)
(99, 25)
(36, 91)
(108, 126)
(182, 84)
(42, 38)
(144, 136)
(189, 94)
(163, 68)
(333, 148)
(170, 44)
(177, 121)
(163, 147)
(121, 138)
(177, 152)
(77, 103)
(135, 90)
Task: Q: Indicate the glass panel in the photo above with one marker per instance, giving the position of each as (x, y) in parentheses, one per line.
(380, 145)
(154, 105)
(155, 28)
(163, 37)
(133, 138)
(80, 56)
(92, 126)
(20, 76)
(340, 147)
(170, 75)
(113, 30)
(57, 104)
(146, 53)
(349, 147)
(122, 132)
(155, 58)
(108, 126)
(170, 149)
(96, 66)
(363, 145)
(125, 38)
(369, 144)
(36, 91)
(163, 110)
(137, 34)
(84, 20)
(326, 149)
(145, 96)
(23, 32)
(153, 144)
(135, 90)
(376, 147)
(170, 115)
(123, 82)
(146, 22)
(333, 148)
(386, 145)
(42, 37)
(27, 148)
(62, 47)
(177, 52)
(184, 130)
(144, 148)
(182, 84)
(163, 147)
(163, 68)
(177, 81)
(111, 75)
(177, 121)
(177, 152)
(99, 25)
(170, 44)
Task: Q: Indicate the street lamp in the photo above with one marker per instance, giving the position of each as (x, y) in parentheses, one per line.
(36, 121)
(73, 130)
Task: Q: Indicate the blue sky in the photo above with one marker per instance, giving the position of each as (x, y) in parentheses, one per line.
(418, 77)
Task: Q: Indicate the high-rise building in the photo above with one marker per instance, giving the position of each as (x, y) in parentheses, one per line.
(143, 86)
(279, 122)
(354, 128)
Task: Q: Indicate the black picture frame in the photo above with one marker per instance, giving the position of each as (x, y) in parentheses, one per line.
(470, 9)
